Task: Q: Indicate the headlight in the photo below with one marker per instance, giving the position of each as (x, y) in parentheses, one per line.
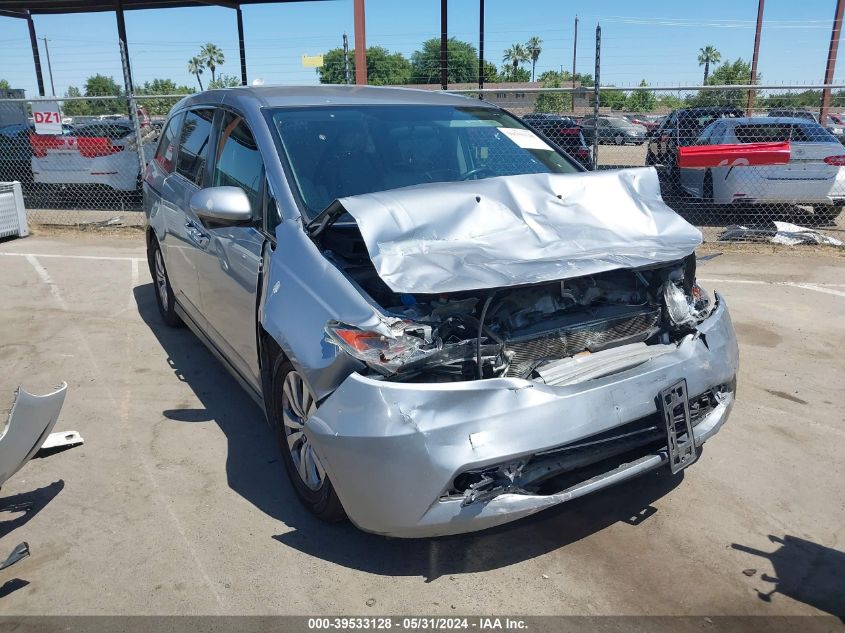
(407, 344)
(686, 309)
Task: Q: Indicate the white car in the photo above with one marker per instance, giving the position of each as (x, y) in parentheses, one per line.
(813, 175)
(102, 153)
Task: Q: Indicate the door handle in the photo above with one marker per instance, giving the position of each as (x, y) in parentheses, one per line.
(196, 234)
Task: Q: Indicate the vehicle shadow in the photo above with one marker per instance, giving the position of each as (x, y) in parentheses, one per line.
(26, 505)
(255, 471)
(804, 571)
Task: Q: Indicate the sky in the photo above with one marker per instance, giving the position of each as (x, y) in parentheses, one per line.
(655, 40)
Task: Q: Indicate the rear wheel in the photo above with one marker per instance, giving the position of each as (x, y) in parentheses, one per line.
(707, 187)
(619, 139)
(292, 405)
(163, 291)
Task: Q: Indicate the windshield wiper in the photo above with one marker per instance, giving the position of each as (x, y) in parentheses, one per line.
(325, 219)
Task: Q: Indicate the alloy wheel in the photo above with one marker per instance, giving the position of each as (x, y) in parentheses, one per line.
(161, 278)
(297, 406)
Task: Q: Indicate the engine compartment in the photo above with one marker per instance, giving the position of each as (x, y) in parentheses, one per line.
(513, 331)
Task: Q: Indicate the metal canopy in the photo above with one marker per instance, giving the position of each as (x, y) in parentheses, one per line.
(38, 7)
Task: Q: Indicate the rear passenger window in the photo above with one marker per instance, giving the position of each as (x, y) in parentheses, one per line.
(166, 153)
(193, 144)
(239, 162)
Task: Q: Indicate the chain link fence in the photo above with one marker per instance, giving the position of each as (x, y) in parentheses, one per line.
(734, 189)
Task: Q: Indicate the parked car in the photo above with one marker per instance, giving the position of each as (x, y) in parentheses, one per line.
(448, 322)
(682, 127)
(814, 175)
(96, 154)
(797, 113)
(565, 133)
(16, 152)
(613, 129)
(648, 121)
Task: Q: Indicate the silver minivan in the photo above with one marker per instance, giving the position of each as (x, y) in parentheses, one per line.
(448, 322)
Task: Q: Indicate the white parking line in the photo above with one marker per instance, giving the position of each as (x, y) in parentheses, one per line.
(824, 288)
(48, 280)
(93, 257)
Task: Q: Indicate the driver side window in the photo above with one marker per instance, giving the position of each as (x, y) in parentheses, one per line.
(238, 162)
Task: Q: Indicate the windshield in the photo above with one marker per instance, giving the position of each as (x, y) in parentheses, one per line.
(620, 122)
(779, 132)
(339, 151)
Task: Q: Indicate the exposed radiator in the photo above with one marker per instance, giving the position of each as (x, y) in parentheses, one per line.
(592, 335)
(12, 211)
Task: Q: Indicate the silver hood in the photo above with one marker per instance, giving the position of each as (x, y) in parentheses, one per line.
(505, 231)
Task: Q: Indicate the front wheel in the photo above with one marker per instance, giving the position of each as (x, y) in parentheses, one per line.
(619, 139)
(292, 405)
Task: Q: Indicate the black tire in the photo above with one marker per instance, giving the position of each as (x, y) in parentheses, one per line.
(649, 159)
(165, 300)
(322, 502)
(707, 187)
(826, 215)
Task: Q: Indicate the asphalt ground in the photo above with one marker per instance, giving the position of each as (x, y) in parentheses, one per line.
(178, 504)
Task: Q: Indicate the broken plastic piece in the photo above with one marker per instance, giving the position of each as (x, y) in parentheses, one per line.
(19, 553)
(57, 442)
(30, 422)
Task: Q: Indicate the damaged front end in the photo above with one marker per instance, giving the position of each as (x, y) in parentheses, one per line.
(504, 374)
(540, 332)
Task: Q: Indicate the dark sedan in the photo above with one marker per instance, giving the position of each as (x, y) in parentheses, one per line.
(613, 129)
(565, 133)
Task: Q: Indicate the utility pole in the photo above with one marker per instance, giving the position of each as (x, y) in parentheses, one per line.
(360, 43)
(480, 47)
(574, 56)
(831, 60)
(596, 99)
(750, 105)
(444, 50)
(49, 66)
(345, 59)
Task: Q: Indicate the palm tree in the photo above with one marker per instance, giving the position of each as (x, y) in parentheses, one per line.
(515, 55)
(195, 67)
(533, 49)
(707, 55)
(213, 57)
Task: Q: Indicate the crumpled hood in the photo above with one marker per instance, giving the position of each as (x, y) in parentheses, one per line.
(510, 230)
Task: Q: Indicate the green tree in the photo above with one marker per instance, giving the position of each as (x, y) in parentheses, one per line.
(669, 102)
(212, 56)
(729, 73)
(612, 98)
(514, 56)
(225, 81)
(463, 62)
(706, 56)
(101, 86)
(642, 100)
(161, 87)
(557, 102)
(75, 108)
(4, 85)
(195, 67)
(533, 47)
(383, 67)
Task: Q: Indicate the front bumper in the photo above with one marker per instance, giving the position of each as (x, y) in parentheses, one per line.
(392, 449)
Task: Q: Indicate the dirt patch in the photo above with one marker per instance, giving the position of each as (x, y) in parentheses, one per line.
(71, 232)
(787, 396)
(755, 334)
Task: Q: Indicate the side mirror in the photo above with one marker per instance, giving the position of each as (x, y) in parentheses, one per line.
(226, 205)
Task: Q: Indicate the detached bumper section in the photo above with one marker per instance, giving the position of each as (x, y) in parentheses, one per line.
(401, 455)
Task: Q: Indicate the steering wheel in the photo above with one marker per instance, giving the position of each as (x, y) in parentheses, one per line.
(475, 172)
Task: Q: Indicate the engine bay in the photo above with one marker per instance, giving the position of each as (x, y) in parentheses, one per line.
(515, 331)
